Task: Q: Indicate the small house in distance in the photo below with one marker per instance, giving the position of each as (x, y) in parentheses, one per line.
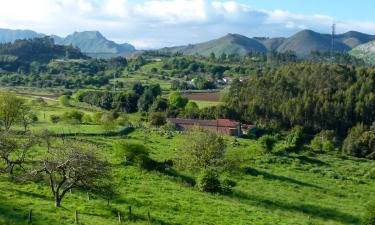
(222, 126)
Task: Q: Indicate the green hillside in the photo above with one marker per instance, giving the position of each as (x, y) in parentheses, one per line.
(365, 52)
(303, 188)
(229, 44)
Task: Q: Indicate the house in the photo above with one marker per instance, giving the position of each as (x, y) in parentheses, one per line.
(222, 126)
(227, 80)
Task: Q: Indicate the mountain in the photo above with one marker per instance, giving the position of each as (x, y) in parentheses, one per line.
(302, 43)
(353, 38)
(8, 35)
(94, 43)
(306, 41)
(365, 52)
(229, 44)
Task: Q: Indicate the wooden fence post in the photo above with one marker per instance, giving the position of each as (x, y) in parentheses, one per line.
(30, 216)
(130, 211)
(119, 216)
(76, 217)
(149, 217)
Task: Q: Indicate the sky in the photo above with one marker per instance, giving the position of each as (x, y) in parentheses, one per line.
(160, 23)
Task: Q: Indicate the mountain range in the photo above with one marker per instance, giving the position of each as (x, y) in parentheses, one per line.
(94, 44)
(302, 43)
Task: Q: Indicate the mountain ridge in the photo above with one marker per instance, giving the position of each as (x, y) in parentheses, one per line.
(92, 43)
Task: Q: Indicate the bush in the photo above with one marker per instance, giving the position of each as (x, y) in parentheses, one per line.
(267, 142)
(87, 119)
(96, 117)
(370, 215)
(64, 100)
(324, 141)
(208, 181)
(133, 153)
(158, 119)
(73, 116)
(227, 185)
(54, 118)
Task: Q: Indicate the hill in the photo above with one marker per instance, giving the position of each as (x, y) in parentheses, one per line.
(307, 41)
(94, 43)
(22, 53)
(365, 52)
(8, 35)
(302, 43)
(229, 44)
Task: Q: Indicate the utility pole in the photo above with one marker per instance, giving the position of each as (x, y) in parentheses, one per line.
(333, 40)
(114, 82)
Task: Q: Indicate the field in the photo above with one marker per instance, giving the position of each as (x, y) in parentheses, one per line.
(303, 188)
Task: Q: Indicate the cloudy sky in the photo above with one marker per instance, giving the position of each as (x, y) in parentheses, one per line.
(159, 23)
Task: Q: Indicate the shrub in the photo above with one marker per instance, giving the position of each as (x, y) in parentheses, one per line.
(87, 119)
(202, 149)
(158, 119)
(227, 185)
(208, 181)
(133, 153)
(64, 100)
(54, 118)
(267, 142)
(96, 117)
(370, 215)
(73, 116)
(324, 141)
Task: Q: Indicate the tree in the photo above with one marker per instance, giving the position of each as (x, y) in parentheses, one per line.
(73, 164)
(10, 106)
(64, 100)
(158, 119)
(26, 116)
(267, 142)
(13, 151)
(177, 100)
(208, 181)
(202, 149)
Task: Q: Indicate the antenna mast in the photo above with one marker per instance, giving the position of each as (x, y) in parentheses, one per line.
(333, 39)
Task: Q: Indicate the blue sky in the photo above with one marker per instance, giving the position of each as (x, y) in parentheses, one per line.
(341, 9)
(159, 23)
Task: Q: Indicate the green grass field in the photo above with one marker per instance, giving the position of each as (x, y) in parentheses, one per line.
(287, 189)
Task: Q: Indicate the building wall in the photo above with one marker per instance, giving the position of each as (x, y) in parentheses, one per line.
(222, 130)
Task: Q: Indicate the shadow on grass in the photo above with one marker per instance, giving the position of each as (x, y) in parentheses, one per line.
(308, 160)
(309, 209)
(10, 214)
(269, 176)
(165, 168)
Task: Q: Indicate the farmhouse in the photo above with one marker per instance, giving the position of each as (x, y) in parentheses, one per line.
(223, 126)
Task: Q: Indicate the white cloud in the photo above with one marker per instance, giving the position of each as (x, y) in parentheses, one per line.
(157, 23)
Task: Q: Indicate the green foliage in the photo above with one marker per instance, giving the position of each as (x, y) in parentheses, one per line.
(64, 100)
(132, 153)
(202, 149)
(158, 119)
(73, 116)
(360, 142)
(315, 96)
(208, 181)
(370, 215)
(55, 118)
(227, 186)
(10, 109)
(177, 100)
(267, 142)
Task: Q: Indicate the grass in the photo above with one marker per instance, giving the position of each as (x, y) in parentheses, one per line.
(205, 104)
(286, 189)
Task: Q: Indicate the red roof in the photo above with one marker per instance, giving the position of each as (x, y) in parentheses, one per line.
(216, 123)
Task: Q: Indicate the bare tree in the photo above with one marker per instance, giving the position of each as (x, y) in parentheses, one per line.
(13, 152)
(73, 164)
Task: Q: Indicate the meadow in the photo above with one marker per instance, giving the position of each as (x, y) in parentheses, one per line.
(296, 188)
